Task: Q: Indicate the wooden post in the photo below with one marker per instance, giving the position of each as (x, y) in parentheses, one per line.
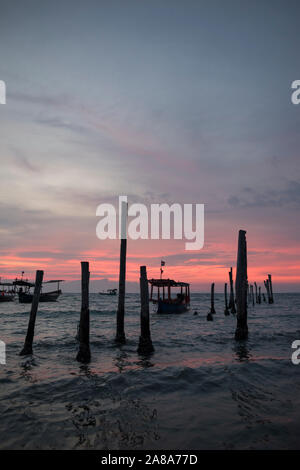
(27, 349)
(84, 353)
(231, 297)
(212, 298)
(271, 289)
(226, 311)
(252, 294)
(145, 343)
(264, 297)
(120, 334)
(266, 283)
(259, 295)
(241, 288)
(256, 295)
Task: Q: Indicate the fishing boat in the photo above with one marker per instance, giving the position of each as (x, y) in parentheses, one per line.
(25, 293)
(167, 303)
(7, 292)
(109, 292)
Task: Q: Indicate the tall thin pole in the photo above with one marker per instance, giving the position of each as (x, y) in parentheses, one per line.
(231, 297)
(241, 287)
(27, 349)
(212, 298)
(120, 333)
(252, 294)
(256, 295)
(84, 353)
(226, 311)
(271, 289)
(259, 295)
(145, 342)
(267, 286)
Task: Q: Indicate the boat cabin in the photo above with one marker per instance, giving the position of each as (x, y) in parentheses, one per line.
(166, 302)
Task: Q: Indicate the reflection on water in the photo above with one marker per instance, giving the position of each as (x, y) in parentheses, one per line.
(242, 351)
(27, 370)
(121, 361)
(145, 361)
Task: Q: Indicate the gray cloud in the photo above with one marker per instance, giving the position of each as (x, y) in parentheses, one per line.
(249, 197)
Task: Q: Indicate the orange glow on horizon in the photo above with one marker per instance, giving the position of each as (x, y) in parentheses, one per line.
(105, 265)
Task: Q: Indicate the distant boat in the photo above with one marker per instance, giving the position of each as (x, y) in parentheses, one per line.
(7, 293)
(25, 293)
(109, 292)
(167, 304)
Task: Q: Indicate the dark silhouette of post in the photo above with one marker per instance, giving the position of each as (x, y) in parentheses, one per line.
(241, 288)
(212, 298)
(27, 349)
(231, 296)
(259, 295)
(270, 289)
(267, 286)
(120, 334)
(252, 294)
(84, 353)
(209, 317)
(256, 294)
(145, 343)
(264, 297)
(226, 311)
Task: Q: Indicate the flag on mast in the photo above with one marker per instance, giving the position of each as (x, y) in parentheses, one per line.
(162, 263)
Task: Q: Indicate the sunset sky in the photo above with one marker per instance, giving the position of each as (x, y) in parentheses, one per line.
(162, 101)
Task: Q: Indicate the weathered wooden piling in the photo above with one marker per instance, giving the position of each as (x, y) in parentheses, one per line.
(252, 294)
(241, 288)
(264, 297)
(231, 297)
(212, 298)
(256, 293)
(259, 295)
(120, 333)
(226, 311)
(27, 349)
(271, 289)
(267, 286)
(84, 353)
(145, 342)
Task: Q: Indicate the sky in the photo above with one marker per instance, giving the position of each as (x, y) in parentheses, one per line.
(162, 101)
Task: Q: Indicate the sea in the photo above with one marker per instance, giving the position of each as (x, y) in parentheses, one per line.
(200, 389)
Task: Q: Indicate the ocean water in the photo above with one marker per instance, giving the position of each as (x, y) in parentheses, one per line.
(199, 390)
